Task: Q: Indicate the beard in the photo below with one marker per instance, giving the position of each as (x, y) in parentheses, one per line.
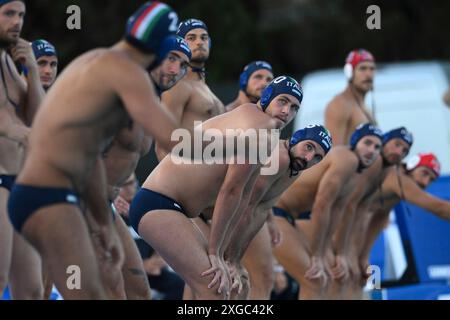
(294, 162)
(6, 43)
(200, 59)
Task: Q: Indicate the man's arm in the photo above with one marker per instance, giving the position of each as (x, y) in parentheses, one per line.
(336, 120)
(175, 100)
(133, 85)
(423, 199)
(377, 223)
(254, 217)
(330, 184)
(33, 91)
(237, 180)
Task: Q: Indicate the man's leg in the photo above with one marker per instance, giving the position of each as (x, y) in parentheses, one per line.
(48, 282)
(6, 240)
(105, 238)
(204, 229)
(259, 262)
(134, 275)
(183, 247)
(26, 271)
(293, 254)
(60, 235)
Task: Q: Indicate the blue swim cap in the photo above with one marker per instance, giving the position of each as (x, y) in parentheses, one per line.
(400, 133)
(280, 85)
(2, 2)
(364, 129)
(43, 48)
(175, 43)
(316, 133)
(188, 25)
(249, 69)
(149, 26)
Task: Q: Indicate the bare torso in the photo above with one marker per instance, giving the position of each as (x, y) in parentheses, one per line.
(12, 87)
(352, 113)
(203, 104)
(386, 197)
(196, 187)
(77, 120)
(123, 155)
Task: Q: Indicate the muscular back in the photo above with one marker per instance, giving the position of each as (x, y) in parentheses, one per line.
(343, 115)
(79, 117)
(196, 187)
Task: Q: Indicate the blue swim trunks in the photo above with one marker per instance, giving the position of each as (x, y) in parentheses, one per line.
(25, 200)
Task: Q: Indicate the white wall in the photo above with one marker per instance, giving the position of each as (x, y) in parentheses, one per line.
(406, 94)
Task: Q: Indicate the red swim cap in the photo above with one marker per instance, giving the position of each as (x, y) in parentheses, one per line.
(428, 160)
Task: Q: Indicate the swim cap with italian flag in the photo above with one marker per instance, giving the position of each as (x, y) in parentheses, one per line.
(149, 26)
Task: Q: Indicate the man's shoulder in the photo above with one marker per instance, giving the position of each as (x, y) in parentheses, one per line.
(341, 159)
(112, 60)
(183, 87)
(341, 152)
(248, 108)
(340, 102)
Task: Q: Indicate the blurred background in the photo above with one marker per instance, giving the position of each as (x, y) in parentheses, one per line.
(295, 36)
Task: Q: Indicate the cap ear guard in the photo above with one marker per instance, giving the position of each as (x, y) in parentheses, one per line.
(348, 71)
(266, 96)
(243, 79)
(412, 162)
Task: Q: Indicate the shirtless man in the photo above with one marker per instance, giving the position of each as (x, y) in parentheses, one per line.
(320, 190)
(252, 81)
(346, 273)
(251, 236)
(347, 110)
(191, 99)
(47, 61)
(129, 145)
(100, 92)
(19, 99)
(173, 188)
(401, 183)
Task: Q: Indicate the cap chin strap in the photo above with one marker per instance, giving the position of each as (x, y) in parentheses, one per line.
(361, 167)
(201, 71)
